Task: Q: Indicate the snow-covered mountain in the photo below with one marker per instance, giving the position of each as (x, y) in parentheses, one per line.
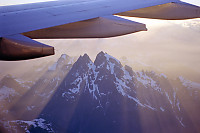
(105, 96)
(26, 105)
(11, 88)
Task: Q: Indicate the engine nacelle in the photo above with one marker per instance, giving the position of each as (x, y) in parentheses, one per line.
(169, 11)
(19, 47)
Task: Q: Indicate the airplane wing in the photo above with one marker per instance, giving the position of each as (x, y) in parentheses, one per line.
(19, 24)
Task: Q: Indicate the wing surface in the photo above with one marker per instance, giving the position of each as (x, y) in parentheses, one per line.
(29, 17)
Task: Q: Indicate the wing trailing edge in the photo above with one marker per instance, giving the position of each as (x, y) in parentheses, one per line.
(170, 11)
(19, 47)
(101, 27)
(22, 47)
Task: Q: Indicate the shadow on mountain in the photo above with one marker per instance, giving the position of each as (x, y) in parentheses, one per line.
(30, 105)
(104, 96)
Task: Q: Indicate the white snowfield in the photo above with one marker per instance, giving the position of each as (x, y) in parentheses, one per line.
(189, 84)
(40, 123)
(6, 93)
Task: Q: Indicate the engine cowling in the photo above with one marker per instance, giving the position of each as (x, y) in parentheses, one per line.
(19, 47)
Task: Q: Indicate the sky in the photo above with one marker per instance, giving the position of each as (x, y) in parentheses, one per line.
(14, 2)
(171, 47)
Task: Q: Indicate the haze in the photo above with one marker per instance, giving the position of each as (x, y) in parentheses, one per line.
(170, 47)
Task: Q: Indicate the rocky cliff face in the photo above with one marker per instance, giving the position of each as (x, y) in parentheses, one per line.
(104, 96)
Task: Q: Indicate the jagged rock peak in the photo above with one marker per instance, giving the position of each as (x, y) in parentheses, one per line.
(104, 57)
(101, 54)
(63, 58)
(85, 57)
(83, 63)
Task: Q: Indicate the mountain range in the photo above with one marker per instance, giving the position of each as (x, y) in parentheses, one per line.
(79, 95)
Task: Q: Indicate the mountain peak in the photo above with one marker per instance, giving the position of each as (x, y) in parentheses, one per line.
(106, 57)
(101, 53)
(64, 56)
(105, 61)
(84, 58)
(64, 59)
(12, 82)
(82, 64)
(99, 94)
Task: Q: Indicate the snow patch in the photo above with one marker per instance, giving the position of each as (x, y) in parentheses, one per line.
(180, 121)
(111, 65)
(162, 109)
(147, 81)
(152, 108)
(188, 83)
(108, 57)
(120, 86)
(122, 83)
(163, 75)
(126, 75)
(64, 56)
(41, 123)
(94, 87)
(178, 105)
(77, 82)
(136, 100)
(53, 67)
(100, 66)
(168, 98)
(71, 61)
(74, 90)
(30, 107)
(142, 105)
(22, 83)
(7, 93)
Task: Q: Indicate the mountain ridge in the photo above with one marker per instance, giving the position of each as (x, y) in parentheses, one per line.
(105, 96)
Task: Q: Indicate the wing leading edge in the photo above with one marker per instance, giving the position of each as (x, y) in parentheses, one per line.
(78, 19)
